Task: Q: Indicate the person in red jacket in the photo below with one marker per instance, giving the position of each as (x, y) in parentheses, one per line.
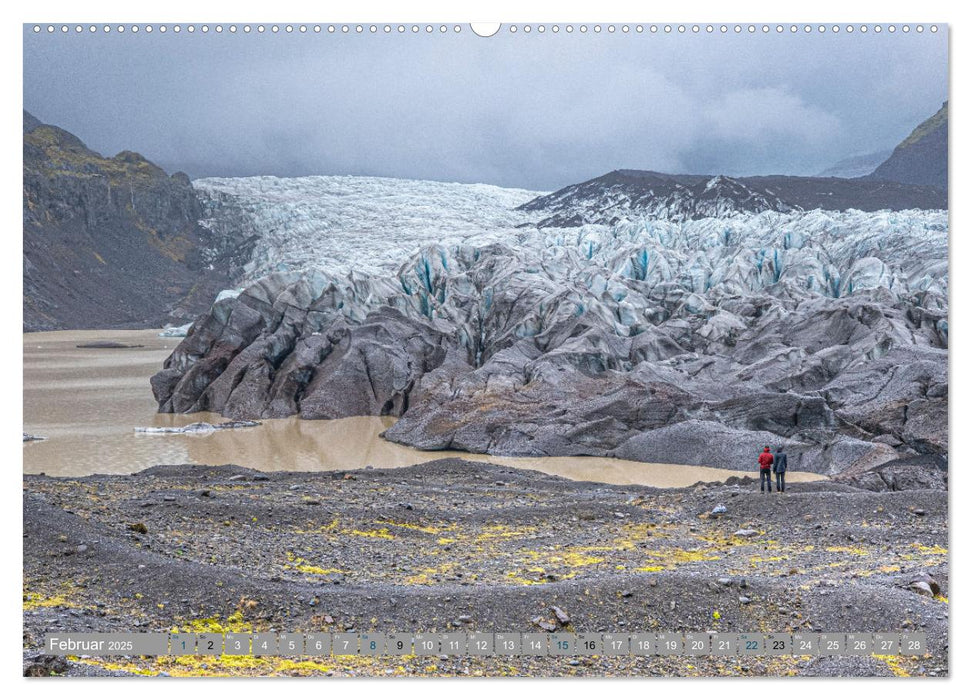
(765, 469)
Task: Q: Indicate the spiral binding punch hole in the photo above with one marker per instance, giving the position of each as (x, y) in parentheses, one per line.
(489, 29)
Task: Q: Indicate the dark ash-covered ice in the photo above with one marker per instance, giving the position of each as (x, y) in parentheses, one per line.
(693, 343)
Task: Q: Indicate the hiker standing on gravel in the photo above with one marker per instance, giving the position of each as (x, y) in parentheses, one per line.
(779, 465)
(765, 469)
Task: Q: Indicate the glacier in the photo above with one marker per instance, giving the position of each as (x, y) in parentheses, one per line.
(656, 339)
(345, 223)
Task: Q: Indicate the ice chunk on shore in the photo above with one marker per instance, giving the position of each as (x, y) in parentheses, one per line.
(198, 428)
(175, 331)
(228, 294)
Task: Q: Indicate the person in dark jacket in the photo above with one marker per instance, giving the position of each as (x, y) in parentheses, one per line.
(779, 466)
(765, 469)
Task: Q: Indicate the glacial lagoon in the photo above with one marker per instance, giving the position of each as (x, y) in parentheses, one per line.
(87, 403)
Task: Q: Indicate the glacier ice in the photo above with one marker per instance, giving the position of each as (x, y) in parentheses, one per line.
(177, 331)
(344, 223)
(198, 428)
(483, 332)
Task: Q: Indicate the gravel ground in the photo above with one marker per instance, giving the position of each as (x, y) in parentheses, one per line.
(454, 545)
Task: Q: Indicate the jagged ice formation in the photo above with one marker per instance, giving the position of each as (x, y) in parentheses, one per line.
(688, 342)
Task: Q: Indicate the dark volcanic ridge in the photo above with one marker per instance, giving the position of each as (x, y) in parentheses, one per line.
(453, 545)
(914, 176)
(629, 195)
(111, 242)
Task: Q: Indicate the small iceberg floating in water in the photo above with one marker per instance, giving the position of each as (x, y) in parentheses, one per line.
(176, 331)
(199, 428)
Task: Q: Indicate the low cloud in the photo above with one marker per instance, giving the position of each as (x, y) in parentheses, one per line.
(754, 114)
(537, 112)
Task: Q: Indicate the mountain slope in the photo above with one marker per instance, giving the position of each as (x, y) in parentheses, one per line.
(108, 242)
(856, 166)
(629, 195)
(921, 158)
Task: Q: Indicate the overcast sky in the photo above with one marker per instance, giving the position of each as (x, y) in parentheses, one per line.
(521, 110)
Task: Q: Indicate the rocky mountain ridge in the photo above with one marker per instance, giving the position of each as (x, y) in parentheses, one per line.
(110, 242)
(631, 195)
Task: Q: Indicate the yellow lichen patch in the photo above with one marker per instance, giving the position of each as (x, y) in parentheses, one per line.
(34, 600)
(932, 549)
(100, 259)
(213, 625)
(759, 560)
(124, 666)
(310, 569)
(422, 579)
(431, 530)
(893, 663)
(214, 665)
(886, 569)
(312, 530)
(564, 561)
(650, 569)
(573, 558)
(515, 577)
(301, 667)
(783, 666)
(722, 540)
(381, 534)
(196, 666)
(858, 551)
(675, 556)
(631, 534)
(503, 531)
(301, 564)
(425, 576)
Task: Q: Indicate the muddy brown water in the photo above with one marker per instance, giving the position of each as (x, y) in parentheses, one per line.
(88, 401)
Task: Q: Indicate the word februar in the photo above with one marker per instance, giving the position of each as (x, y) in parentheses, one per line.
(69, 644)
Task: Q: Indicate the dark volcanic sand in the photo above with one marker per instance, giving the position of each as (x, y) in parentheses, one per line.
(414, 549)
